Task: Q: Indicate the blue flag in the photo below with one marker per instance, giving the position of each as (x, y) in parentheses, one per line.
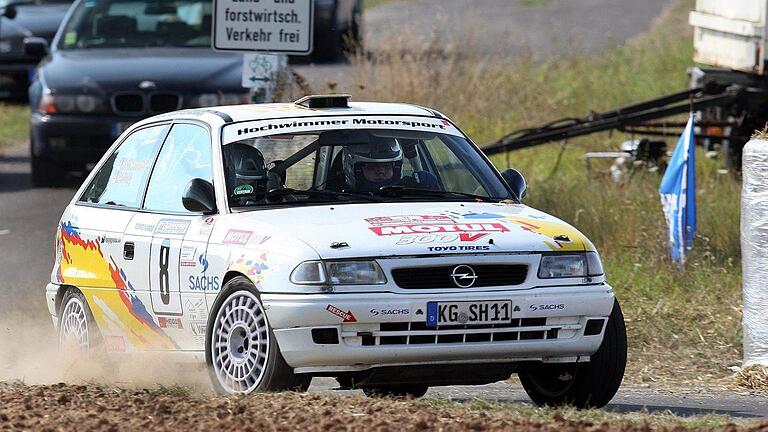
(678, 195)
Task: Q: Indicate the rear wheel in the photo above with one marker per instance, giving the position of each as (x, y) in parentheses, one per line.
(241, 351)
(78, 333)
(405, 391)
(583, 385)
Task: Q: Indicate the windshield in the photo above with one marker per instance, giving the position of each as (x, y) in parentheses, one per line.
(142, 23)
(362, 165)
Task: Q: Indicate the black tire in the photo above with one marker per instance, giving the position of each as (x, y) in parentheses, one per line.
(274, 374)
(413, 391)
(583, 385)
(74, 298)
(46, 173)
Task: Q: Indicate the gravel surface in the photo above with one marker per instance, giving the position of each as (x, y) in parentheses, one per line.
(65, 407)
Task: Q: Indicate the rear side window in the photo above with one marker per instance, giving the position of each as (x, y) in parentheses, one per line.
(121, 180)
(186, 155)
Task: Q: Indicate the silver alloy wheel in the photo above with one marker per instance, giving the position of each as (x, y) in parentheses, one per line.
(240, 343)
(73, 334)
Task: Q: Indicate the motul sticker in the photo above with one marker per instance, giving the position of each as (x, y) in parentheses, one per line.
(346, 316)
(238, 237)
(447, 228)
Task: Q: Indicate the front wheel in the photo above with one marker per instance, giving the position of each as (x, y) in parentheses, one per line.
(583, 385)
(241, 351)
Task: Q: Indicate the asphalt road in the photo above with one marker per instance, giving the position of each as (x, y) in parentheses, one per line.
(28, 216)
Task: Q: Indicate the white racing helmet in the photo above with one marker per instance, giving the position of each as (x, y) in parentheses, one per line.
(377, 150)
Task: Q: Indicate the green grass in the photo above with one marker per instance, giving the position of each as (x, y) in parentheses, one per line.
(368, 4)
(683, 324)
(13, 124)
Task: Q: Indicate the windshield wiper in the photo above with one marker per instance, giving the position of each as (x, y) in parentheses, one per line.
(277, 193)
(399, 191)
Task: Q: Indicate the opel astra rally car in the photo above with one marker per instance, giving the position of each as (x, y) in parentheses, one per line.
(369, 242)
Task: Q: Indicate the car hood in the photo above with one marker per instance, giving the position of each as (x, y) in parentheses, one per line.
(178, 69)
(407, 229)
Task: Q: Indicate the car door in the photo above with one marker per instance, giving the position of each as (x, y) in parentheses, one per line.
(170, 241)
(91, 235)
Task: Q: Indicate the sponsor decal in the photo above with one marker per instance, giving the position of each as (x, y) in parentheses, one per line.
(431, 224)
(552, 233)
(207, 226)
(172, 226)
(108, 240)
(550, 306)
(204, 283)
(421, 239)
(460, 248)
(203, 262)
(165, 322)
(114, 343)
(195, 309)
(347, 316)
(187, 257)
(198, 327)
(387, 122)
(419, 311)
(390, 311)
(237, 237)
(144, 227)
(243, 189)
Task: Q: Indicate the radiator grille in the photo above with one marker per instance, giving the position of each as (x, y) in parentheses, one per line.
(137, 103)
(417, 333)
(488, 275)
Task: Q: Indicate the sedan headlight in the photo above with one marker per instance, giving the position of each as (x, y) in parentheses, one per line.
(338, 273)
(568, 265)
(68, 104)
(214, 99)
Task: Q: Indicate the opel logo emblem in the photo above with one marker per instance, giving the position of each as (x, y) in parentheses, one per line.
(463, 276)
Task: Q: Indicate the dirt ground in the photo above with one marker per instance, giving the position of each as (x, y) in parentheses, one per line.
(68, 407)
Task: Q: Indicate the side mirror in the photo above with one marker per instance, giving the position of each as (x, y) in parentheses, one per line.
(199, 196)
(35, 47)
(9, 11)
(516, 182)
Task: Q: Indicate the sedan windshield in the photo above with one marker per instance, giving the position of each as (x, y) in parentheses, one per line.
(365, 165)
(138, 23)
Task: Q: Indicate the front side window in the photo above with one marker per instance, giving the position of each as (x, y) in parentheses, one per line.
(121, 180)
(138, 24)
(359, 165)
(186, 155)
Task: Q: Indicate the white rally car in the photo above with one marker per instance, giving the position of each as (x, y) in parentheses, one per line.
(369, 242)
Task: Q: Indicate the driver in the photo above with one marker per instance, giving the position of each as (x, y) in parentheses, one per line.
(371, 166)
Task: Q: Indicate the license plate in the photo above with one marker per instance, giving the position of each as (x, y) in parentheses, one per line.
(469, 313)
(120, 127)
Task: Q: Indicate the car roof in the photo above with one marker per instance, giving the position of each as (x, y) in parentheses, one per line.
(249, 112)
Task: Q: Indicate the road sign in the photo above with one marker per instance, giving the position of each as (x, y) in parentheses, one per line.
(261, 70)
(275, 26)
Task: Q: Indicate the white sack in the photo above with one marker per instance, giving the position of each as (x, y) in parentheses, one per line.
(754, 250)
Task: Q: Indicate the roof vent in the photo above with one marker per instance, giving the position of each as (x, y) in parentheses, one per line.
(324, 101)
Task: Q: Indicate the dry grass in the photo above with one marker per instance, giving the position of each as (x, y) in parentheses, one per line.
(753, 377)
(13, 124)
(684, 324)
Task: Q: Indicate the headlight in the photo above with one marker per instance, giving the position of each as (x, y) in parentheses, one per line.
(570, 265)
(214, 99)
(67, 104)
(338, 273)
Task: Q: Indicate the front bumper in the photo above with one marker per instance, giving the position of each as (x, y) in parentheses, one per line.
(75, 138)
(387, 329)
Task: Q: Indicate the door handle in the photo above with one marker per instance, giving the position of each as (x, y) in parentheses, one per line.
(128, 249)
